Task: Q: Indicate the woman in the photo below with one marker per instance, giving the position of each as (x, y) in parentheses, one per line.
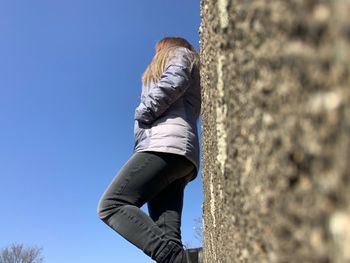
(165, 157)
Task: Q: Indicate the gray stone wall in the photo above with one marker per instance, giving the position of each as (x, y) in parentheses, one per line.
(275, 81)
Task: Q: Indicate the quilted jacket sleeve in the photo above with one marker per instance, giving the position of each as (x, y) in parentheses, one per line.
(173, 83)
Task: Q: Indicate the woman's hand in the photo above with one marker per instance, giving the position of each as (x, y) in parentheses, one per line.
(144, 125)
(141, 123)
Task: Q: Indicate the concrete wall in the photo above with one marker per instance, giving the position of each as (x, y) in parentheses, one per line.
(275, 81)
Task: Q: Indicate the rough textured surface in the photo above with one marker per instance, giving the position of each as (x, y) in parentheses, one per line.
(275, 81)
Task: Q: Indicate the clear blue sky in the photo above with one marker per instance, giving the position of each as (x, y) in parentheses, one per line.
(69, 83)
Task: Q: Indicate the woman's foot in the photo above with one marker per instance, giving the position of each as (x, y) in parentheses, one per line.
(194, 255)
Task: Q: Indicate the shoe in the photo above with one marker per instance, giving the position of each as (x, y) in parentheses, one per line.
(194, 255)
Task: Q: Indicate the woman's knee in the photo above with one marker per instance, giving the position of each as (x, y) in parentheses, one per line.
(105, 207)
(102, 208)
(108, 206)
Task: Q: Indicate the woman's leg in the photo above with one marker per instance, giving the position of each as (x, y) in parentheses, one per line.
(166, 209)
(143, 177)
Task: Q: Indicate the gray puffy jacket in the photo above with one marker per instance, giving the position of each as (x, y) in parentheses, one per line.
(166, 118)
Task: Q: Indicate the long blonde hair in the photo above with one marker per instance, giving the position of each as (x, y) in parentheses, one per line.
(164, 50)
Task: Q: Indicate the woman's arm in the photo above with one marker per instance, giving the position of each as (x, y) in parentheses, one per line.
(172, 85)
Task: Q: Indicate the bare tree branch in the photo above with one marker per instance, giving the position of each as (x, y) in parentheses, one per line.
(16, 253)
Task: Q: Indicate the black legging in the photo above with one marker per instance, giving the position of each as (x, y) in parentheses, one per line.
(156, 178)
